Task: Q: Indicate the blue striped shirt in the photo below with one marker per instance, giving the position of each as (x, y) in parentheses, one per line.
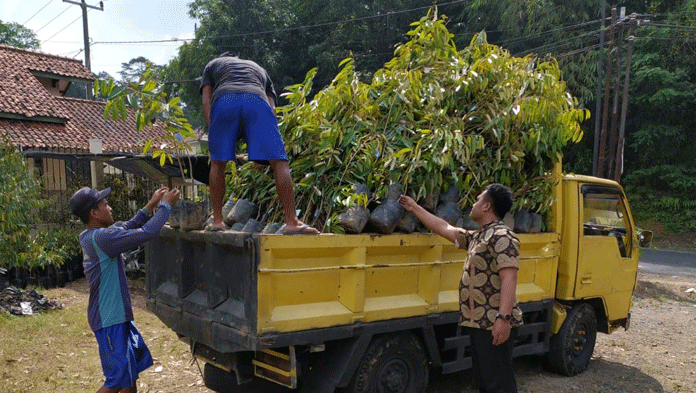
(109, 298)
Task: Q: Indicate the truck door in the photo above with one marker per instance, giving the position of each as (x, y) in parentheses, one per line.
(607, 262)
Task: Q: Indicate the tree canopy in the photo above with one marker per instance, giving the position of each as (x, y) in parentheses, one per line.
(291, 37)
(14, 34)
(432, 118)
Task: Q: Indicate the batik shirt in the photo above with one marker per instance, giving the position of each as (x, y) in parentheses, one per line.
(109, 299)
(490, 249)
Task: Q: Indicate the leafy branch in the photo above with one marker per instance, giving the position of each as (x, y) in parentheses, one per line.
(154, 110)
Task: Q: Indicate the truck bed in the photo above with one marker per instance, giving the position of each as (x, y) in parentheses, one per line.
(236, 291)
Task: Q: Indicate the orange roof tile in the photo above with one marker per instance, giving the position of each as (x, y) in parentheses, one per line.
(36, 119)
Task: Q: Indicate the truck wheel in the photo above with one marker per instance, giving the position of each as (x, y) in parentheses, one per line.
(393, 363)
(571, 349)
(221, 381)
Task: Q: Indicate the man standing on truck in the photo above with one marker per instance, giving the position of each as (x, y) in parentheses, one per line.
(487, 290)
(239, 101)
(122, 350)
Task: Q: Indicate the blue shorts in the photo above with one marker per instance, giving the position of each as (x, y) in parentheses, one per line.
(247, 116)
(123, 354)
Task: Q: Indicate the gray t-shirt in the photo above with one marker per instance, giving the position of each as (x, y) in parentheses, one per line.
(229, 74)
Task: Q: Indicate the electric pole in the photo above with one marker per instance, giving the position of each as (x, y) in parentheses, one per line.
(614, 126)
(599, 90)
(85, 31)
(607, 91)
(618, 167)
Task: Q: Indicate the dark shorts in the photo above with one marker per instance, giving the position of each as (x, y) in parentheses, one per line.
(123, 354)
(247, 116)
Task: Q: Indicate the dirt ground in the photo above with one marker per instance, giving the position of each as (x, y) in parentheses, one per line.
(656, 354)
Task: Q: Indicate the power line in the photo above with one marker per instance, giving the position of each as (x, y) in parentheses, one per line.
(59, 31)
(547, 32)
(553, 45)
(30, 18)
(49, 22)
(286, 29)
(577, 51)
(676, 27)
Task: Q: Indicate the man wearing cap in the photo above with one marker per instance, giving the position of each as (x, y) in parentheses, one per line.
(239, 101)
(122, 350)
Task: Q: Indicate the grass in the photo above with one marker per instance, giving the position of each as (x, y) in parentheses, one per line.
(57, 352)
(49, 352)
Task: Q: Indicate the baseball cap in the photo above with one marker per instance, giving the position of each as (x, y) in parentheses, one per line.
(86, 198)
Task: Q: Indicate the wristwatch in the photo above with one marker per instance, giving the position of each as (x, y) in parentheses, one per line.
(504, 317)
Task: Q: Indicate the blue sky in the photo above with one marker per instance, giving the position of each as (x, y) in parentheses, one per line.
(121, 20)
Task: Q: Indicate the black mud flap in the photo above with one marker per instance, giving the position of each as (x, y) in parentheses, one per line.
(334, 366)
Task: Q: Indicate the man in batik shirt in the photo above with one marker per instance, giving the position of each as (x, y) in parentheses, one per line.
(487, 290)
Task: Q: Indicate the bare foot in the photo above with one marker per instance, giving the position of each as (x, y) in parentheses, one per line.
(299, 229)
(215, 227)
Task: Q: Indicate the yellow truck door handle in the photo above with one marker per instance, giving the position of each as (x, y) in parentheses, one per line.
(586, 280)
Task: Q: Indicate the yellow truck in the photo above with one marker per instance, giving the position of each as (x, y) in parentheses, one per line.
(377, 313)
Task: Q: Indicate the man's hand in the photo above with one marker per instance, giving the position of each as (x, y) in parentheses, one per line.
(171, 196)
(155, 199)
(408, 203)
(501, 331)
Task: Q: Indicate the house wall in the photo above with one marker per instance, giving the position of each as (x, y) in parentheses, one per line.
(56, 87)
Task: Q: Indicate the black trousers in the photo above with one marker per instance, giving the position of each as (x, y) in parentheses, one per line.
(492, 363)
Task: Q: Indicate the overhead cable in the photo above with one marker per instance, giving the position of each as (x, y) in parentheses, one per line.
(36, 13)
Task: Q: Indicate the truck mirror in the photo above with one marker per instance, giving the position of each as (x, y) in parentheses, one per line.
(645, 237)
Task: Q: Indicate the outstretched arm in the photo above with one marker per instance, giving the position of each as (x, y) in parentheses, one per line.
(431, 221)
(139, 219)
(114, 241)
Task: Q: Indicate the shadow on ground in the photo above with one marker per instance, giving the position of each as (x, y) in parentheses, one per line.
(533, 377)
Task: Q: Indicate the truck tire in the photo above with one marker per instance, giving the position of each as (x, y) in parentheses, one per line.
(393, 363)
(221, 381)
(571, 349)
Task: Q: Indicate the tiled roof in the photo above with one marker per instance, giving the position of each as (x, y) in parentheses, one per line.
(21, 93)
(86, 122)
(37, 119)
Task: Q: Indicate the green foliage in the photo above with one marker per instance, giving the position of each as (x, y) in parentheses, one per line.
(22, 243)
(432, 117)
(14, 34)
(290, 37)
(544, 28)
(664, 193)
(131, 71)
(125, 200)
(151, 103)
(662, 116)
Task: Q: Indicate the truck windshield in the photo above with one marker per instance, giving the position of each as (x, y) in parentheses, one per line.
(604, 214)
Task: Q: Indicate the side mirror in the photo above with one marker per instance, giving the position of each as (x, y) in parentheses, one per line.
(644, 238)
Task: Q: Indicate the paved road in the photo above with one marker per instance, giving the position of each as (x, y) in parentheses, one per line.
(668, 262)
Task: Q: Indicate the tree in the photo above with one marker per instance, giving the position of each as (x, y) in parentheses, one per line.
(22, 243)
(14, 34)
(433, 117)
(131, 71)
(659, 155)
(289, 38)
(151, 102)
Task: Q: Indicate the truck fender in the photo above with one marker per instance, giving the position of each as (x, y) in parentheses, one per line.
(560, 312)
(335, 365)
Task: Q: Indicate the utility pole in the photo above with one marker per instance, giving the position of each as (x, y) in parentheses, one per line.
(613, 131)
(85, 31)
(607, 91)
(618, 167)
(599, 90)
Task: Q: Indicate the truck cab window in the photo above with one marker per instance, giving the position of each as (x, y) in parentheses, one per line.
(604, 214)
